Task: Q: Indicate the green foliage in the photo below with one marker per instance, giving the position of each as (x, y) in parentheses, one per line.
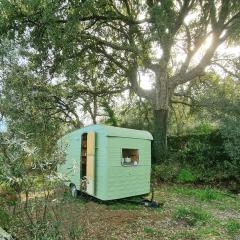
(207, 157)
(185, 175)
(197, 149)
(87, 51)
(195, 158)
(45, 230)
(4, 218)
(112, 119)
(231, 134)
(205, 194)
(166, 171)
(136, 114)
(203, 156)
(233, 226)
(75, 232)
(205, 127)
(148, 230)
(24, 170)
(186, 235)
(191, 216)
(30, 104)
(23, 165)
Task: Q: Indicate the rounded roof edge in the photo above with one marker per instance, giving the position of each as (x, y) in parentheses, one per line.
(111, 131)
(125, 132)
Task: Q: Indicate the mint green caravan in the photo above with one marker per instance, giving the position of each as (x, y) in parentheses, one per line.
(107, 162)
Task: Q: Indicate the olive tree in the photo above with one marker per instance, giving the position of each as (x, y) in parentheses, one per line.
(175, 39)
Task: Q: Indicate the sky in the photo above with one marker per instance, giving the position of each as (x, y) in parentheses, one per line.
(147, 78)
(3, 127)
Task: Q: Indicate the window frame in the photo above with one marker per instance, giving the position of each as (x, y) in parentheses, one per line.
(129, 165)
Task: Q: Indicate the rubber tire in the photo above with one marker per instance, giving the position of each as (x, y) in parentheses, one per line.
(73, 190)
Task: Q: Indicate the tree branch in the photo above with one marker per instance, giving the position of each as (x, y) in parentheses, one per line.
(181, 102)
(226, 70)
(226, 25)
(132, 77)
(118, 17)
(112, 59)
(183, 77)
(112, 45)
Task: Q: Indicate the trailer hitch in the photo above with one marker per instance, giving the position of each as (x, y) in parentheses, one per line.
(144, 201)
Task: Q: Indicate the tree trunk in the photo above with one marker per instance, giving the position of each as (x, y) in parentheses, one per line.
(160, 135)
(95, 108)
(160, 119)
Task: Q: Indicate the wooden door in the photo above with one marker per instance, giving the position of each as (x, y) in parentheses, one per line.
(91, 163)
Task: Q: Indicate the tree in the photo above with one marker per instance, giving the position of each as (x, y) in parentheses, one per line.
(223, 108)
(94, 89)
(136, 113)
(167, 37)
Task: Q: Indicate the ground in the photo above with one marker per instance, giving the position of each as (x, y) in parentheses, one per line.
(188, 213)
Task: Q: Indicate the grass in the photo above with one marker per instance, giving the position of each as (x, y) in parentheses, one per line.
(188, 214)
(185, 235)
(75, 231)
(191, 215)
(148, 230)
(233, 226)
(203, 194)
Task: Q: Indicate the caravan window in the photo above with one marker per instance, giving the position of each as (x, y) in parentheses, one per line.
(130, 157)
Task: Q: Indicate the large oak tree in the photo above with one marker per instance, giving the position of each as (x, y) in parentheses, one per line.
(175, 39)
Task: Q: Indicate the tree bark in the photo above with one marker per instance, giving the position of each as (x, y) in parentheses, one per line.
(160, 119)
(160, 135)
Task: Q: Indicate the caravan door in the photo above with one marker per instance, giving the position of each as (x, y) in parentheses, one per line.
(91, 163)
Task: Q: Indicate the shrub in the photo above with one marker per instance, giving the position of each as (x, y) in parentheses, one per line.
(230, 131)
(185, 175)
(204, 157)
(202, 151)
(203, 128)
(4, 218)
(166, 171)
(18, 177)
(45, 230)
(233, 226)
(191, 215)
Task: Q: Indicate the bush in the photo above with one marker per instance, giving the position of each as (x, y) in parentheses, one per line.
(230, 131)
(166, 171)
(45, 230)
(185, 175)
(205, 150)
(203, 157)
(190, 215)
(233, 226)
(29, 219)
(4, 219)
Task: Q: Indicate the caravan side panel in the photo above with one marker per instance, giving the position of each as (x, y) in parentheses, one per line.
(70, 169)
(127, 181)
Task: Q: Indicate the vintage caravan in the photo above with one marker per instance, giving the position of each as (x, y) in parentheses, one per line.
(107, 162)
